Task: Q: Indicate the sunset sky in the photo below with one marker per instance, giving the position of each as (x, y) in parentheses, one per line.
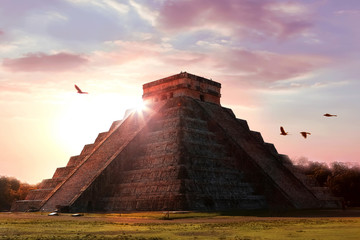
(280, 63)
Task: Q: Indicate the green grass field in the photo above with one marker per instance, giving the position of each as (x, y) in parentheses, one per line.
(189, 225)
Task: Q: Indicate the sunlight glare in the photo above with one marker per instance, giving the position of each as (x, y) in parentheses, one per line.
(83, 117)
(141, 106)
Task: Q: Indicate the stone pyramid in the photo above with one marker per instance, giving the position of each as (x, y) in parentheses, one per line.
(185, 152)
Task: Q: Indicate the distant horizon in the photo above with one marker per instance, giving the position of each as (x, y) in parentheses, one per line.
(280, 63)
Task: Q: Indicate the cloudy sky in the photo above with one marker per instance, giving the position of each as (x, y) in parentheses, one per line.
(280, 63)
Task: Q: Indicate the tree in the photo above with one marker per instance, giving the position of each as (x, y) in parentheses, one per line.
(318, 171)
(345, 182)
(11, 190)
(342, 180)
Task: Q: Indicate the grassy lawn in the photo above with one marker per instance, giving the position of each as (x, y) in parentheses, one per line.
(189, 225)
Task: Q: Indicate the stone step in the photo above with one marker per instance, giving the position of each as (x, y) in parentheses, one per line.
(115, 124)
(155, 160)
(267, 165)
(165, 135)
(177, 111)
(93, 165)
(100, 137)
(194, 147)
(50, 183)
(158, 174)
(272, 149)
(220, 190)
(38, 194)
(165, 124)
(138, 188)
(198, 135)
(175, 123)
(211, 162)
(195, 123)
(157, 148)
(26, 205)
(75, 160)
(63, 172)
(87, 149)
(198, 170)
(243, 123)
(257, 136)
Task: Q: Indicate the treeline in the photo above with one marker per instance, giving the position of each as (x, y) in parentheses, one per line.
(341, 179)
(11, 190)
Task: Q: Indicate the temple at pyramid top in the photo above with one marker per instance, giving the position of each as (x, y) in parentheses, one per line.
(182, 84)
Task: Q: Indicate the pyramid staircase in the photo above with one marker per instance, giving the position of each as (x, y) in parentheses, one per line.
(36, 197)
(79, 170)
(184, 153)
(178, 165)
(278, 171)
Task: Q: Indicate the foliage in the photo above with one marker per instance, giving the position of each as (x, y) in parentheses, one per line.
(342, 180)
(345, 182)
(11, 190)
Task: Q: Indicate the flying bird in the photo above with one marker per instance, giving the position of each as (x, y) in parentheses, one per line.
(304, 134)
(282, 131)
(329, 115)
(79, 90)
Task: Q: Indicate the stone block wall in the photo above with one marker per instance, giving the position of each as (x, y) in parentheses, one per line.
(176, 163)
(183, 84)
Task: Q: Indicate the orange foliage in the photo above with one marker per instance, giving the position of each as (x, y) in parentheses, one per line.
(11, 190)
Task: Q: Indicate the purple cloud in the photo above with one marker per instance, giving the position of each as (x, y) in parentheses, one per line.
(260, 66)
(43, 62)
(247, 18)
(348, 12)
(2, 35)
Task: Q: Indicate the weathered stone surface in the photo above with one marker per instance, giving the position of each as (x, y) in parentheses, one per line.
(187, 152)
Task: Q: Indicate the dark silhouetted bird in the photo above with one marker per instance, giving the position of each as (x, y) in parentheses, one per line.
(79, 90)
(304, 134)
(282, 131)
(329, 115)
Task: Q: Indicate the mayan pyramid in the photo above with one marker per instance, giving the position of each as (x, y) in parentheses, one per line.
(185, 152)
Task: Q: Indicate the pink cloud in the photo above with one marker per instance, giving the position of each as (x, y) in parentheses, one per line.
(185, 58)
(349, 12)
(44, 62)
(125, 52)
(15, 89)
(251, 69)
(250, 18)
(254, 69)
(259, 66)
(2, 35)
